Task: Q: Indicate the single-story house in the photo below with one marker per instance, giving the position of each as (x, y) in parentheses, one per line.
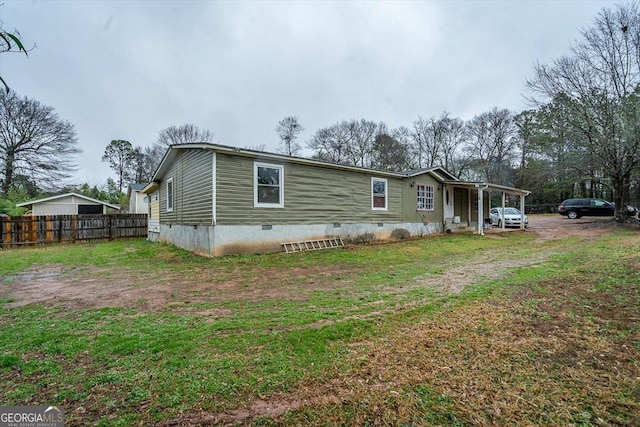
(218, 200)
(67, 204)
(137, 199)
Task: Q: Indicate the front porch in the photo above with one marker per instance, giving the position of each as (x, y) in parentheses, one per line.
(463, 200)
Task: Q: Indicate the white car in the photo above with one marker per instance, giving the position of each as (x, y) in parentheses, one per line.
(512, 217)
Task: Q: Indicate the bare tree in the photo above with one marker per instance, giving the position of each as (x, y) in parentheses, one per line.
(184, 134)
(363, 143)
(453, 135)
(152, 157)
(347, 142)
(492, 144)
(174, 135)
(34, 142)
(288, 130)
(436, 141)
(333, 144)
(422, 148)
(144, 162)
(363, 135)
(599, 84)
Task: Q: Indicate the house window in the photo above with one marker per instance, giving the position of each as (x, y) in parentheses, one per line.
(424, 197)
(268, 185)
(378, 194)
(170, 195)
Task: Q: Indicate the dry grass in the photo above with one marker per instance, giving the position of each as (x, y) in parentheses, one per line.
(555, 354)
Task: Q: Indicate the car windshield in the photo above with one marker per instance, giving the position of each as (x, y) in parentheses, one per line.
(511, 211)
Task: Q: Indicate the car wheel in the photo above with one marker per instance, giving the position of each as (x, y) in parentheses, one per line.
(573, 215)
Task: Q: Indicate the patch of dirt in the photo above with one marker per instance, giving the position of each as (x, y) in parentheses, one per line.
(81, 288)
(551, 227)
(259, 408)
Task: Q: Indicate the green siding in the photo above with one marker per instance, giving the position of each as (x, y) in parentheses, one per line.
(411, 214)
(193, 197)
(312, 195)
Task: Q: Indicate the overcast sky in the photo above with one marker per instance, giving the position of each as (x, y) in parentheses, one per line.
(127, 69)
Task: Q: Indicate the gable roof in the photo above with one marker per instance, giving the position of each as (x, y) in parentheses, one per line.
(437, 172)
(135, 187)
(440, 173)
(61, 196)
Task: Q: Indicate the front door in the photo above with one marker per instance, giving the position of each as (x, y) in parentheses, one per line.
(448, 202)
(461, 203)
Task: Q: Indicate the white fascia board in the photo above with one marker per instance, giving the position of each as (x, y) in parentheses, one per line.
(60, 196)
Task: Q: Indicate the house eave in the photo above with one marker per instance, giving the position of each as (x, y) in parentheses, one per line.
(489, 187)
(150, 188)
(438, 172)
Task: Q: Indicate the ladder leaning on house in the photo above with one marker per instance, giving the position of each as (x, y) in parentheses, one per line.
(313, 245)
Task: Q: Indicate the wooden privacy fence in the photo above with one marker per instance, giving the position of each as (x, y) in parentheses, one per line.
(35, 230)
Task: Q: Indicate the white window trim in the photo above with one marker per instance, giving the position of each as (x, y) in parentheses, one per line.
(257, 204)
(173, 195)
(386, 194)
(433, 197)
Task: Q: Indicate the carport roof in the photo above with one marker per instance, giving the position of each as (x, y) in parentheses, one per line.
(487, 186)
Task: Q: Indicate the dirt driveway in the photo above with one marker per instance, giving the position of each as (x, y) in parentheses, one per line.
(178, 291)
(550, 227)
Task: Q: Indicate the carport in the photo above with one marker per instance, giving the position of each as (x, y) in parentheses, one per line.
(480, 192)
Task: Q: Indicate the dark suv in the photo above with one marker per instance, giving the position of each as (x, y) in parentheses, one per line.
(575, 208)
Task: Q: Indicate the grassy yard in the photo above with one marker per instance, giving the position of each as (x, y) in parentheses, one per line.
(451, 330)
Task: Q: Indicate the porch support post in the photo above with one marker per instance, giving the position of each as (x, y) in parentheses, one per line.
(503, 206)
(469, 198)
(480, 212)
(522, 196)
(444, 208)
